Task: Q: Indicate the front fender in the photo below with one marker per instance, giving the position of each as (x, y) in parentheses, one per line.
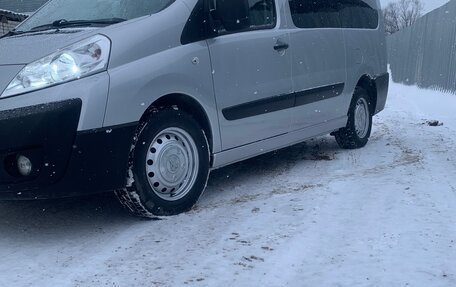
(181, 70)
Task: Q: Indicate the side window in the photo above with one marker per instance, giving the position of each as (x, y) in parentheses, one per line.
(262, 15)
(357, 14)
(315, 13)
(333, 14)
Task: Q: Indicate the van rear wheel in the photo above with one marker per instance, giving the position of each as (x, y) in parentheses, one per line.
(359, 126)
(169, 166)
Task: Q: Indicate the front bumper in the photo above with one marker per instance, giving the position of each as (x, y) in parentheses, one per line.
(65, 162)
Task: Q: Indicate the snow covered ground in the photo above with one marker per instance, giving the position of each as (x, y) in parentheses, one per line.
(309, 215)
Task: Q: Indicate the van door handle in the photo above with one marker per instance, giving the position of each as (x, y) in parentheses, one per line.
(281, 46)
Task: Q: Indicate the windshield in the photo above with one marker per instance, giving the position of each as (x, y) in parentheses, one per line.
(93, 10)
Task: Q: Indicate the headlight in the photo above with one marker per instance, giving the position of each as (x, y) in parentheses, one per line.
(82, 59)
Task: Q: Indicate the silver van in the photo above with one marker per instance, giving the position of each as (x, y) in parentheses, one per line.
(146, 97)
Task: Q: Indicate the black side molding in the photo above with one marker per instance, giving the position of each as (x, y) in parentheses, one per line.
(282, 102)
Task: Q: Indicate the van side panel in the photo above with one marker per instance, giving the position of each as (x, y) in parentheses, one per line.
(364, 54)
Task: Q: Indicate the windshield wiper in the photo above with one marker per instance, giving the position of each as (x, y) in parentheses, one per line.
(66, 24)
(63, 23)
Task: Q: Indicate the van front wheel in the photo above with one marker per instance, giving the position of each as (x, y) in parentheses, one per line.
(358, 130)
(169, 166)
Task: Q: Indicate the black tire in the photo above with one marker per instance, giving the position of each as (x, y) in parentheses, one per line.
(349, 137)
(140, 197)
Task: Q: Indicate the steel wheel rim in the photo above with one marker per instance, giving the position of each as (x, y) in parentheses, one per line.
(362, 118)
(172, 164)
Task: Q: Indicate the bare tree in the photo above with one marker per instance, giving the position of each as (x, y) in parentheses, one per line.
(401, 14)
(391, 18)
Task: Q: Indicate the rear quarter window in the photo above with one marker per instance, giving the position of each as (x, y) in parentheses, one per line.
(333, 14)
(357, 14)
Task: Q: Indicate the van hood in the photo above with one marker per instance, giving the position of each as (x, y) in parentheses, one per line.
(26, 48)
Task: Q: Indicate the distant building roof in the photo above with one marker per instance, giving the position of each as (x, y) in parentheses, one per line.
(13, 16)
(21, 6)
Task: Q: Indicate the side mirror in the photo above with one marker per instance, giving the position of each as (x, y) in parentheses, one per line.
(234, 14)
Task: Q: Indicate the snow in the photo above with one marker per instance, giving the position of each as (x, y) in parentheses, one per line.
(308, 215)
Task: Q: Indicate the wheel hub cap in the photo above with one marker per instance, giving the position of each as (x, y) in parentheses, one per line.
(172, 164)
(362, 118)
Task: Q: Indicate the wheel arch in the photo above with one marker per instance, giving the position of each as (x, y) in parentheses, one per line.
(187, 104)
(368, 83)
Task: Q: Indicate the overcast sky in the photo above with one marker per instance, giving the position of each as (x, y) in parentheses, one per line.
(429, 5)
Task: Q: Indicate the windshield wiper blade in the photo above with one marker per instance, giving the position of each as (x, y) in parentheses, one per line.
(13, 33)
(78, 23)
